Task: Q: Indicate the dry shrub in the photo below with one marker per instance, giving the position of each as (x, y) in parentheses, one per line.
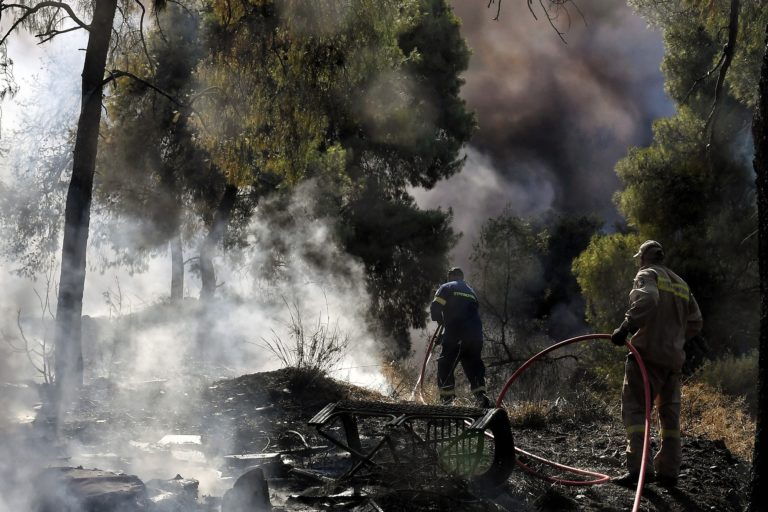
(708, 413)
(585, 407)
(581, 408)
(402, 376)
(318, 348)
(529, 414)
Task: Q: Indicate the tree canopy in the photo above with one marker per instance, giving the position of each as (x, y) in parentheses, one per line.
(362, 98)
(692, 188)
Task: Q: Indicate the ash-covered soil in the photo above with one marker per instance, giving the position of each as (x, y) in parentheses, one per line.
(268, 413)
(711, 478)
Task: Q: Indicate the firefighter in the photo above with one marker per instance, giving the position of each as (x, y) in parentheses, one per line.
(455, 306)
(662, 315)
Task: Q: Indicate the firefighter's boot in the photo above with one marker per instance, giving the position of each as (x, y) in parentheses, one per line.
(482, 400)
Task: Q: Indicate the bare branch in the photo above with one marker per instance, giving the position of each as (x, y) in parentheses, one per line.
(141, 36)
(47, 36)
(559, 6)
(728, 52)
(702, 78)
(530, 8)
(26, 345)
(40, 299)
(498, 11)
(583, 18)
(30, 11)
(159, 26)
(552, 23)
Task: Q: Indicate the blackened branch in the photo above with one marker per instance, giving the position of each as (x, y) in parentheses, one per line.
(116, 73)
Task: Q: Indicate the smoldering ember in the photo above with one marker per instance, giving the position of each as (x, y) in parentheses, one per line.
(383, 255)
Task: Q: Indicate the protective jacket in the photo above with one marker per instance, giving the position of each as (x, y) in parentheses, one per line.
(664, 313)
(455, 306)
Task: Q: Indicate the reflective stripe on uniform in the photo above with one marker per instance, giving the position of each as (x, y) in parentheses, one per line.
(635, 429)
(670, 433)
(465, 295)
(440, 301)
(679, 289)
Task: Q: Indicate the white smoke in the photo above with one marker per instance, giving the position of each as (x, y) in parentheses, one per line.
(482, 190)
(131, 337)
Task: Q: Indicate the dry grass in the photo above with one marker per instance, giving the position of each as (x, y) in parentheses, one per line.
(584, 407)
(318, 348)
(529, 414)
(734, 376)
(706, 412)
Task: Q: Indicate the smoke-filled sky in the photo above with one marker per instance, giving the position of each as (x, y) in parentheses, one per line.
(553, 118)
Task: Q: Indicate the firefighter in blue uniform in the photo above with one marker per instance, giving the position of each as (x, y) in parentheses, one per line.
(455, 306)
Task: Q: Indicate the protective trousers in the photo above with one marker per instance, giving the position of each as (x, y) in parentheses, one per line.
(665, 392)
(467, 351)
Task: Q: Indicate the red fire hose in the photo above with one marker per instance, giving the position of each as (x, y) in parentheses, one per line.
(599, 477)
(427, 356)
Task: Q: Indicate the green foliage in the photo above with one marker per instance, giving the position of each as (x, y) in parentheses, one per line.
(274, 73)
(669, 180)
(605, 271)
(506, 275)
(735, 376)
(695, 34)
(506, 257)
(364, 83)
(404, 250)
(153, 180)
(699, 203)
(522, 274)
(561, 305)
(691, 191)
(361, 97)
(438, 57)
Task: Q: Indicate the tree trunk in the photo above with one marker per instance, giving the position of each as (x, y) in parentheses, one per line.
(177, 269)
(68, 362)
(759, 491)
(215, 234)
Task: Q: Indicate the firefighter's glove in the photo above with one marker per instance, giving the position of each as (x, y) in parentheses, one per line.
(619, 336)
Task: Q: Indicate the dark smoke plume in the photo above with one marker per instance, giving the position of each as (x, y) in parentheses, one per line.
(553, 117)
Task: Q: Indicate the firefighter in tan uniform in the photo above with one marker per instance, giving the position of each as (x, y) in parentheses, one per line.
(662, 315)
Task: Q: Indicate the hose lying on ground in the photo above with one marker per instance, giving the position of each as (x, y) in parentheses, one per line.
(599, 477)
